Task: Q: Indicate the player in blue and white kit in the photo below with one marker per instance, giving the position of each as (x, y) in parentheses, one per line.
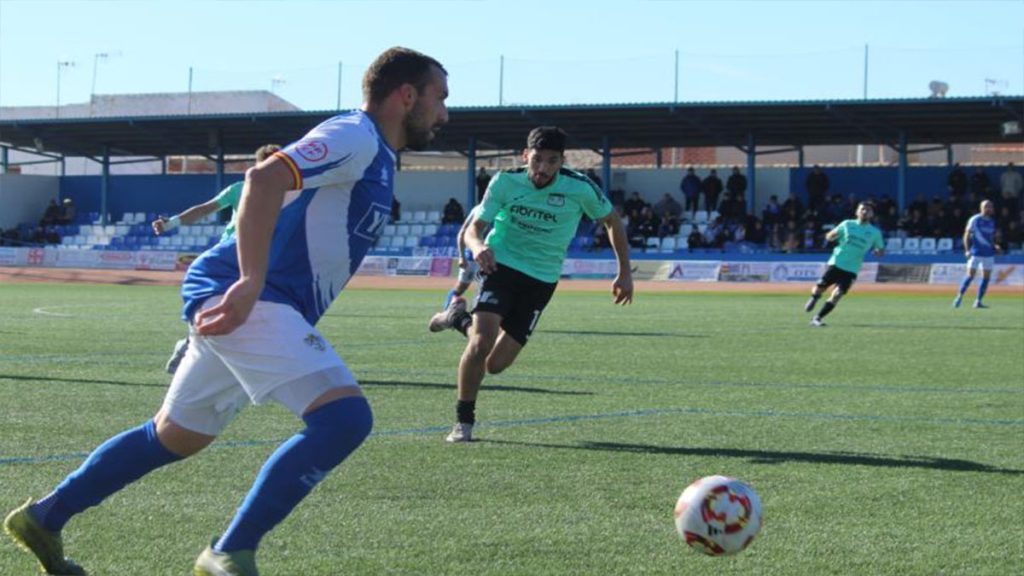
(469, 272)
(307, 217)
(980, 249)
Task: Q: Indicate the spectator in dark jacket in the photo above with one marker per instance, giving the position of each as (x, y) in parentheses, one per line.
(690, 187)
(737, 184)
(453, 213)
(817, 187)
(712, 187)
(956, 183)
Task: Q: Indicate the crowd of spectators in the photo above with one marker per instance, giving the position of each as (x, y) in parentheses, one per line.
(795, 226)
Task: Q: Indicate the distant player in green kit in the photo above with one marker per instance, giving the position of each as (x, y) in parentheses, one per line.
(856, 238)
(534, 211)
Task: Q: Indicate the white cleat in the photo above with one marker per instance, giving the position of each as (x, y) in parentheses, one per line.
(445, 319)
(460, 433)
(817, 323)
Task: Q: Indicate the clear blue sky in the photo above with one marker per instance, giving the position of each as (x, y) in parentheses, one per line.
(555, 52)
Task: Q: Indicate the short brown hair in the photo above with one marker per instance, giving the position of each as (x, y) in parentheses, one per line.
(394, 67)
(266, 151)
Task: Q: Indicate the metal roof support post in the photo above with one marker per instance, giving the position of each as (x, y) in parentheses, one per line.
(657, 158)
(163, 165)
(104, 183)
(901, 173)
(751, 172)
(800, 156)
(220, 166)
(606, 164)
(949, 155)
(4, 160)
(471, 174)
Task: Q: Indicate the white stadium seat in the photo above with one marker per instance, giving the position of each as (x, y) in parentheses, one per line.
(912, 245)
(928, 245)
(411, 241)
(402, 230)
(944, 245)
(433, 217)
(894, 245)
(668, 244)
(416, 230)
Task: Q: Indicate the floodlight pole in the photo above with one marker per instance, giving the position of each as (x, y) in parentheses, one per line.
(338, 104)
(92, 91)
(501, 81)
(60, 65)
(675, 96)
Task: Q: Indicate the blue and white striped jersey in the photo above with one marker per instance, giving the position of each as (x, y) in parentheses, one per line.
(344, 181)
(982, 231)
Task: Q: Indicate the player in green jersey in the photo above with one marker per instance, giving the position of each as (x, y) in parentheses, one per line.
(226, 198)
(534, 211)
(856, 238)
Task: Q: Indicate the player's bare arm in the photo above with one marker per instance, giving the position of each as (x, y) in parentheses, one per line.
(460, 241)
(832, 235)
(482, 254)
(967, 242)
(622, 286)
(193, 214)
(265, 187)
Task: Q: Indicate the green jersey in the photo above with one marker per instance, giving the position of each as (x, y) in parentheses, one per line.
(230, 197)
(533, 227)
(855, 240)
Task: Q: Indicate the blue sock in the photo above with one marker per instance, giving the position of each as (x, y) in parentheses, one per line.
(982, 288)
(448, 298)
(333, 431)
(117, 462)
(964, 284)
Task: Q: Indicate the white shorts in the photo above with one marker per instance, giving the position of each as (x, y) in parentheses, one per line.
(986, 263)
(275, 354)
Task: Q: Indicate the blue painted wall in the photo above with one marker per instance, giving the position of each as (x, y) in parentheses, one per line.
(143, 193)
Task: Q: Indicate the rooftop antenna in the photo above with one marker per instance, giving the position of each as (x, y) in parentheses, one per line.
(938, 88)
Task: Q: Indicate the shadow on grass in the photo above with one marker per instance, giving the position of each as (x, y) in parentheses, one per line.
(81, 381)
(935, 327)
(486, 387)
(780, 457)
(618, 334)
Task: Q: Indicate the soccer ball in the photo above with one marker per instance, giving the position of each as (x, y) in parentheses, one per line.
(718, 515)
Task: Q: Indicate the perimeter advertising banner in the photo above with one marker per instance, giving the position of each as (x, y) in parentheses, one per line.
(693, 271)
(589, 269)
(745, 272)
(1003, 275)
(903, 273)
(797, 271)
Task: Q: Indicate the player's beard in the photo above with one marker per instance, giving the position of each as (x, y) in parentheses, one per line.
(539, 180)
(418, 132)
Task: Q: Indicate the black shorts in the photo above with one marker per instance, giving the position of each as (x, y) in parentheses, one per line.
(841, 278)
(519, 300)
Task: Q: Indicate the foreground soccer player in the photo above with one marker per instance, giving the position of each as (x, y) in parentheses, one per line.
(535, 211)
(308, 215)
(227, 198)
(980, 249)
(856, 238)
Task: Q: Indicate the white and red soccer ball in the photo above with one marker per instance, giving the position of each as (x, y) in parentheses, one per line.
(718, 515)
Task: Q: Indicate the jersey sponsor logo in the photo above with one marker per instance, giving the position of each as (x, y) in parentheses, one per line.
(312, 150)
(528, 212)
(373, 221)
(315, 342)
(556, 200)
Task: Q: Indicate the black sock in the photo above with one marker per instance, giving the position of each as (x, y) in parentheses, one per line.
(465, 411)
(826, 309)
(463, 322)
(810, 303)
